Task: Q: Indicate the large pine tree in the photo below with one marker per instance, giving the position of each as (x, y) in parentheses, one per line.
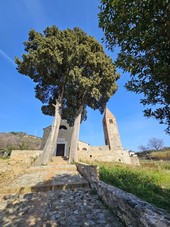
(71, 71)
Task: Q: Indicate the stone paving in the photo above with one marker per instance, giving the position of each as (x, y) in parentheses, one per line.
(67, 208)
(32, 200)
(45, 178)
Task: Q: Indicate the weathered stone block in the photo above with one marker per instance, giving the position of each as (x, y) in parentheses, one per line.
(132, 210)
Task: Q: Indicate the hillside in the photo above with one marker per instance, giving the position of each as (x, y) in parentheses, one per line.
(18, 140)
(155, 155)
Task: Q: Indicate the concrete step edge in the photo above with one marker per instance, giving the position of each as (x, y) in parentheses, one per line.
(44, 188)
(67, 170)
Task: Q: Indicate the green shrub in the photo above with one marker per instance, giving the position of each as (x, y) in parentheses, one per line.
(19, 133)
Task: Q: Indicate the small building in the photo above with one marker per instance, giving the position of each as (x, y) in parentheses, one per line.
(112, 151)
(63, 141)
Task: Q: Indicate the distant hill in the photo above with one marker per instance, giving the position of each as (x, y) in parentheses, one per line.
(18, 141)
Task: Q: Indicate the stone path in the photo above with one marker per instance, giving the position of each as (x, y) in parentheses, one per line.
(68, 208)
(32, 200)
(45, 178)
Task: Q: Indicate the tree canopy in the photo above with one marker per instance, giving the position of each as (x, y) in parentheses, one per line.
(70, 66)
(71, 71)
(141, 29)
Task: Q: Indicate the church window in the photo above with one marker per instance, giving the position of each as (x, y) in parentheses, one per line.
(84, 149)
(63, 127)
(110, 121)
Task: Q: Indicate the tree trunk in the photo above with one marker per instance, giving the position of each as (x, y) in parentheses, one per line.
(74, 139)
(51, 144)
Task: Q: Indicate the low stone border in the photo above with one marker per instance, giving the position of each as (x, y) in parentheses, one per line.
(132, 210)
(89, 172)
(28, 157)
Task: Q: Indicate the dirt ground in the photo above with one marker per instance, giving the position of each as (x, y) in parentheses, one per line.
(9, 169)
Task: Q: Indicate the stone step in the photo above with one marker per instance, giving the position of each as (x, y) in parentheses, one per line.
(52, 167)
(43, 188)
(59, 160)
(45, 179)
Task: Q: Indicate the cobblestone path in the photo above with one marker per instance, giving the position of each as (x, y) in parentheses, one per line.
(50, 196)
(68, 208)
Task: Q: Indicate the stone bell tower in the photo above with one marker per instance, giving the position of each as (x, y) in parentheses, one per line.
(111, 132)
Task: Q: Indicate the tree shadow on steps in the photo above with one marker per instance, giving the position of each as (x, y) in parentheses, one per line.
(45, 206)
(29, 206)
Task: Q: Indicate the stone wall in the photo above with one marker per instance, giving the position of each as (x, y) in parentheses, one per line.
(135, 160)
(46, 132)
(132, 210)
(89, 172)
(26, 156)
(95, 155)
(82, 145)
(85, 146)
(102, 153)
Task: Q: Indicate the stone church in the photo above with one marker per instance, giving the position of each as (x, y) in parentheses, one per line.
(112, 151)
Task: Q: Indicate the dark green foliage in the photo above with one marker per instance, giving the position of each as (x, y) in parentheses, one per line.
(142, 31)
(6, 152)
(69, 66)
(18, 133)
(93, 192)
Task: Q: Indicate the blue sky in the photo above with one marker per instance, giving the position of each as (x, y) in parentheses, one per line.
(21, 111)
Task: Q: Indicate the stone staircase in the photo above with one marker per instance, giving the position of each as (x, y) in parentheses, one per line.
(58, 174)
(58, 160)
(31, 199)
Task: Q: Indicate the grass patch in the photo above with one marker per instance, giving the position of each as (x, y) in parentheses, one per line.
(4, 158)
(150, 181)
(155, 165)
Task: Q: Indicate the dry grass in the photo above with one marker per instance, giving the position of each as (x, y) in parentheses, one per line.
(161, 155)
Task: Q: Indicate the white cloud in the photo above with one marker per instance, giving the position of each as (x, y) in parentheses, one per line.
(7, 57)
